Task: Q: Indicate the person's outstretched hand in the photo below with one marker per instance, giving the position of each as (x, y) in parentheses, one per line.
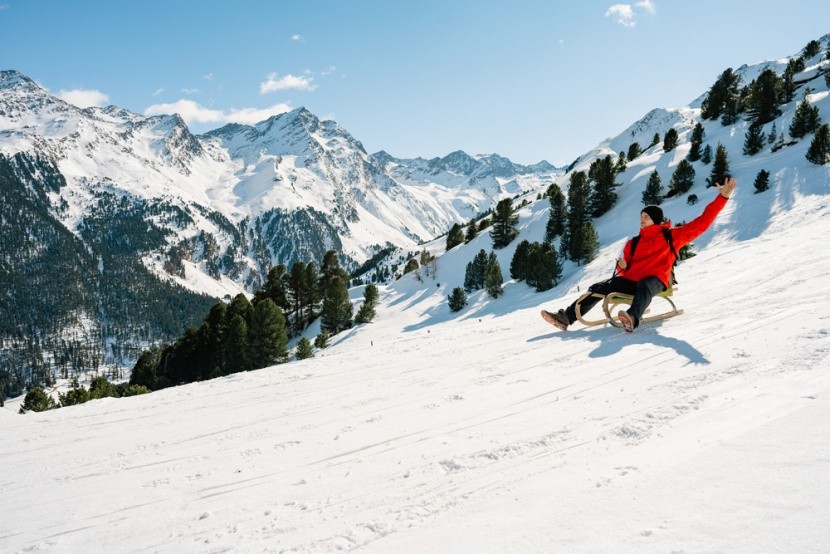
(728, 187)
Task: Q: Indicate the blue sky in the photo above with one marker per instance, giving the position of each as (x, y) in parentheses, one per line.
(527, 79)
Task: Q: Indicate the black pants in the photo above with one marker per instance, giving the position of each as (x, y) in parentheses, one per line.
(643, 291)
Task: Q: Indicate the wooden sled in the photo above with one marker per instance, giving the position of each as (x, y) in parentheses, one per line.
(611, 306)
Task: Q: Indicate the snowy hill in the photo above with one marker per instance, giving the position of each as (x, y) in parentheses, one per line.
(487, 430)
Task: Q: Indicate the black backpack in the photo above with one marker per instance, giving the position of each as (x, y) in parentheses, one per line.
(667, 236)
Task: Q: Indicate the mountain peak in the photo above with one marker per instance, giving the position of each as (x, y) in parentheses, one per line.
(13, 79)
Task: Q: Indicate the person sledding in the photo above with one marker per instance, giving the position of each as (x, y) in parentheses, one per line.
(648, 271)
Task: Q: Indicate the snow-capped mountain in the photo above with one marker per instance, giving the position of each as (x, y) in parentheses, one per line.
(487, 430)
(142, 199)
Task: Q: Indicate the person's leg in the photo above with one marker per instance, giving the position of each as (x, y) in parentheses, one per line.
(643, 293)
(614, 284)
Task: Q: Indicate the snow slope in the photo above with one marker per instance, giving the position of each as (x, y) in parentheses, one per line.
(486, 430)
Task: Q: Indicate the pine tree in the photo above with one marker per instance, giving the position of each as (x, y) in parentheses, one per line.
(322, 340)
(267, 335)
(706, 155)
(36, 400)
(654, 140)
(558, 213)
(762, 101)
(304, 350)
(754, 140)
(622, 163)
(697, 139)
(604, 196)
(585, 243)
(366, 313)
(670, 140)
(472, 231)
(474, 276)
(761, 181)
(812, 50)
(819, 151)
(275, 287)
(652, 193)
(578, 213)
(504, 224)
(518, 265)
(455, 236)
(236, 350)
(722, 94)
(720, 170)
(337, 309)
(544, 266)
(633, 151)
(773, 134)
(682, 179)
(411, 266)
(493, 279)
(806, 118)
(457, 300)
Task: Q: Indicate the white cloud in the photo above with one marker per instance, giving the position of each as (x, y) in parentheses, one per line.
(329, 70)
(190, 90)
(622, 14)
(298, 38)
(647, 5)
(275, 83)
(84, 98)
(193, 112)
(158, 91)
(208, 77)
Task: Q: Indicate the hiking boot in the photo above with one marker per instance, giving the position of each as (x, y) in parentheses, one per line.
(628, 321)
(558, 319)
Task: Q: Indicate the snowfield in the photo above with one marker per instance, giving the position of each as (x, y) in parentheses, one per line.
(486, 430)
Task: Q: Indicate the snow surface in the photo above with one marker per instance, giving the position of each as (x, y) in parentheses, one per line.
(486, 430)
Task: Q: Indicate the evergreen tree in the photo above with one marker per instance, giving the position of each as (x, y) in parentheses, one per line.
(722, 94)
(695, 143)
(692, 199)
(754, 140)
(762, 101)
(267, 335)
(74, 396)
(337, 308)
(654, 140)
(544, 266)
(578, 213)
(275, 287)
(622, 163)
(504, 224)
(476, 270)
(304, 349)
(472, 231)
(366, 313)
(493, 279)
(329, 271)
(652, 194)
(819, 151)
(296, 283)
(236, 349)
(322, 340)
(670, 140)
(585, 243)
(773, 134)
(682, 179)
(603, 197)
(720, 170)
(761, 181)
(806, 118)
(101, 388)
(455, 236)
(706, 155)
(457, 300)
(36, 400)
(633, 151)
(310, 291)
(558, 213)
(812, 50)
(239, 306)
(788, 85)
(518, 265)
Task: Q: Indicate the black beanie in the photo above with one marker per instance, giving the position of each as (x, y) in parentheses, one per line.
(655, 213)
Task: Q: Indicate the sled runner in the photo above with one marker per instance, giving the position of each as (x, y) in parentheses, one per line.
(611, 306)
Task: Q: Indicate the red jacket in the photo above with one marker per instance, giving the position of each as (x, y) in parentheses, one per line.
(653, 257)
